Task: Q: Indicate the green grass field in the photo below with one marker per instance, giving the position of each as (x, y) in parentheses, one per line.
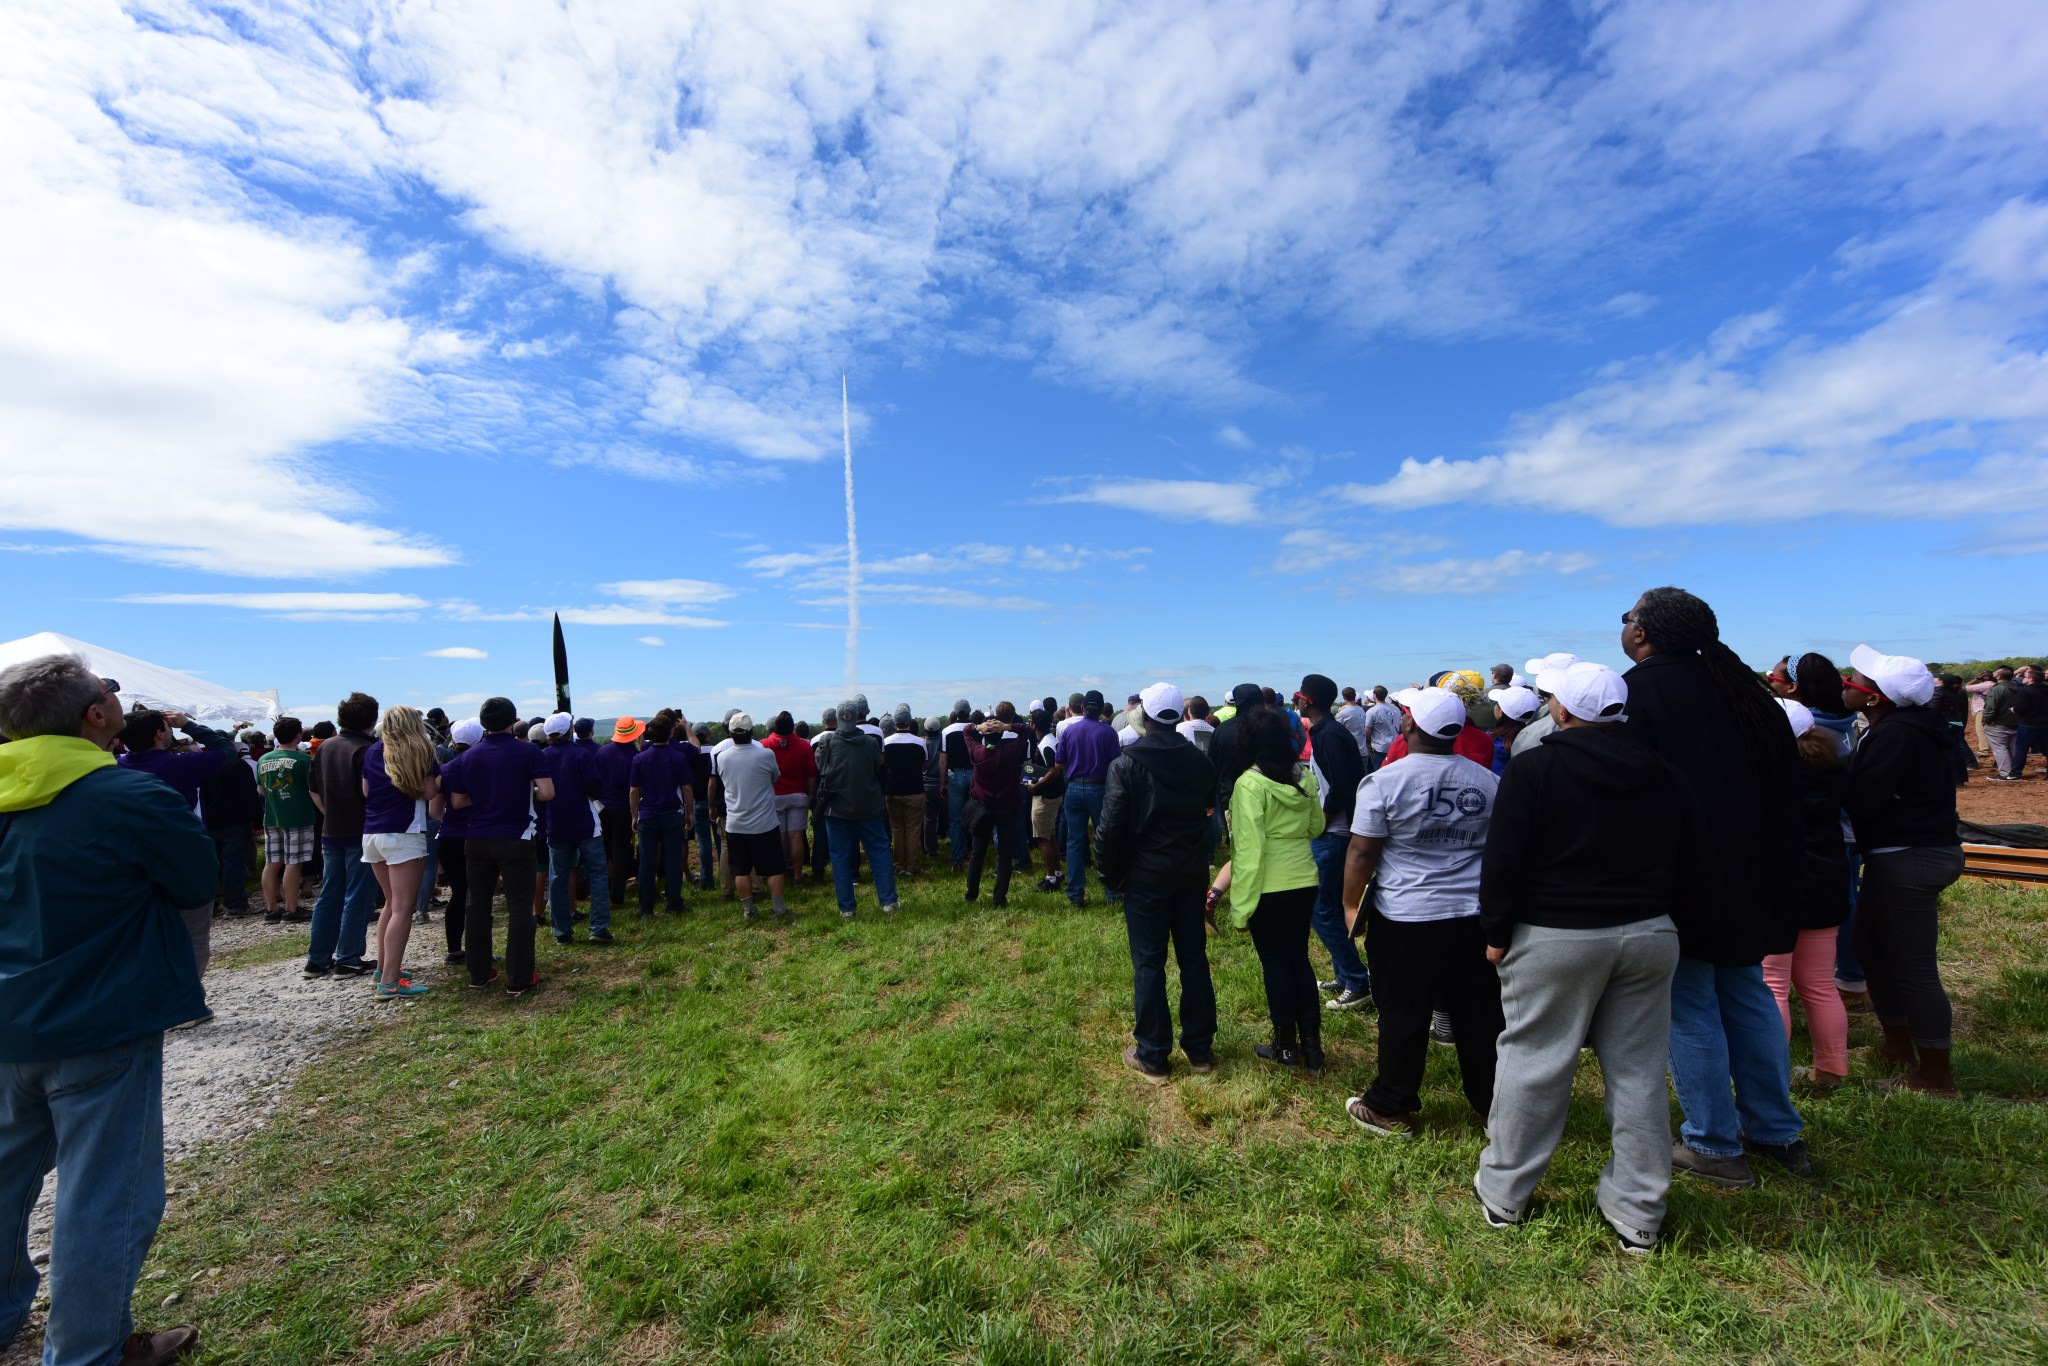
(911, 1140)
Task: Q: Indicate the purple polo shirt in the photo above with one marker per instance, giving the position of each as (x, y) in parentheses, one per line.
(615, 774)
(182, 773)
(497, 777)
(386, 810)
(574, 770)
(1087, 749)
(454, 821)
(660, 773)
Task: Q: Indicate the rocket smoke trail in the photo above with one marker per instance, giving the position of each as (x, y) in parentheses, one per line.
(852, 552)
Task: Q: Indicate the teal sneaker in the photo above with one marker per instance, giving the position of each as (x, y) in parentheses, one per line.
(400, 990)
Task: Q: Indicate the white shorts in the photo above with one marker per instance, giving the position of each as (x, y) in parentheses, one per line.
(791, 811)
(394, 848)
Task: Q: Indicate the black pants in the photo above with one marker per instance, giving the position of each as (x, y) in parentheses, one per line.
(451, 855)
(1002, 832)
(231, 858)
(1897, 924)
(662, 860)
(1155, 917)
(1279, 929)
(1419, 967)
(615, 826)
(488, 861)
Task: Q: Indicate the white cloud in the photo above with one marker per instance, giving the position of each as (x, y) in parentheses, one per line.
(1185, 500)
(1937, 409)
(457, 652)
(670, 592)
(1230, 434)
(652, 640)
(1505, 574)
(298, 606)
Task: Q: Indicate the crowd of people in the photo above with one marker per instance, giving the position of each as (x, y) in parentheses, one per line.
(1649, 865)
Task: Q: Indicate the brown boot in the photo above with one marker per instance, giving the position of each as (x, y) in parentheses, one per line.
(158, 1349)
(1897, 1048)
(1933, 1075)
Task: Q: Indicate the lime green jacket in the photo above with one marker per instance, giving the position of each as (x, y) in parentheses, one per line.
(1270, 827)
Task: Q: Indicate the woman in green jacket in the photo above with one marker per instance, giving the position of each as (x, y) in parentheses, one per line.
(1274, 813)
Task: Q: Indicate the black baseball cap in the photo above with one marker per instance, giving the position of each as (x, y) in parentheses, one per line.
(1247, 695)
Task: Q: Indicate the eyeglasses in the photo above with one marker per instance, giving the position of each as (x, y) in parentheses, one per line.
(110, 685)
(1867, 692)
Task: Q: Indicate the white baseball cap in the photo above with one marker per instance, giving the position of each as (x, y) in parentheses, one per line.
(738, 721)
(1162, 702)
(1536, 667)
(1901, 678)
(1518, 681)
(1590, 692)
(1798, 715)
(1517, 703)
(467, 731)
(559, 723)
(1437, 711)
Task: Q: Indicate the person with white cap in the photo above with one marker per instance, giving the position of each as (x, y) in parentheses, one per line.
(1693, 701)
(1152, 845)
(573, 834)
(1417, 834)
(1596, 858)
(1823, 905)
(1517, 707)
(744, 776)
(1901, 801)
(1532, 734)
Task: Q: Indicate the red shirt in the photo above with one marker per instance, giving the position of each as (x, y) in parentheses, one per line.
(1472, 742)
(793, 757)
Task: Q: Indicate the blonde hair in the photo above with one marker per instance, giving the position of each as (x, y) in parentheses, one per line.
(408, 753)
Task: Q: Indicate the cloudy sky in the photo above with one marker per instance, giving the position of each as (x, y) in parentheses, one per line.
(345, 343)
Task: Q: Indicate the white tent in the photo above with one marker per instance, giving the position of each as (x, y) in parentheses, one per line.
(151, 685)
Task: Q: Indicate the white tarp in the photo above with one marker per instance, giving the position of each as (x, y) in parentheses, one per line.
(152, 685)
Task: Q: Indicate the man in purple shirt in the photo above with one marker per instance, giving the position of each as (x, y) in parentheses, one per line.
(615, 783)
(147, 735)
(660, 793)
(1087, 747)
(572, 834)
(498, 781)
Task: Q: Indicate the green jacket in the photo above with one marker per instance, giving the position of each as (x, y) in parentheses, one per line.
(1270, 827)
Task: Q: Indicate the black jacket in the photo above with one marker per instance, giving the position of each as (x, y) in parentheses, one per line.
(1752, 811)
(229, 799)
(1342, 767)
(1824, 881)
(1155, 814)
(1591, 829)
(1902, 786)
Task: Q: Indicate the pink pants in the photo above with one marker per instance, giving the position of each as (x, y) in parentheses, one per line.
(1810, 967)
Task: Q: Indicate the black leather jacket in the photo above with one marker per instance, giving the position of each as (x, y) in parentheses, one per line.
(1155, 814)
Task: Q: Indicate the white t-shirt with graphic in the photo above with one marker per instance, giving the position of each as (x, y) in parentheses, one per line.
(1432, 810)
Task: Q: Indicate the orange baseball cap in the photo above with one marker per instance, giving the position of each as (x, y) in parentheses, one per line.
(628, 730)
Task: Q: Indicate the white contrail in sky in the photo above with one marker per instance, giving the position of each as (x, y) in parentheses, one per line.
(852, 552)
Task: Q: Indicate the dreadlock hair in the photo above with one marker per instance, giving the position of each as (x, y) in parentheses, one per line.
(1818, 684)
(1267, 737)
(1674, 620)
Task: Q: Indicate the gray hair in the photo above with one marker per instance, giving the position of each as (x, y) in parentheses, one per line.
(831, 716)
(47, 696)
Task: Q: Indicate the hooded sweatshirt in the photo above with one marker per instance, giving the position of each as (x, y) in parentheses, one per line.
(1902, 792)
(1270, 827)
(94, 859)
(1591, 830)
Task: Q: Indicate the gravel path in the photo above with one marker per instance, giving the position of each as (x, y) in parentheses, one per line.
(222, 1080)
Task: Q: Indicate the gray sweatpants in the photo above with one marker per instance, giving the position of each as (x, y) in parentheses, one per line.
(1558, 988)
(2003, 742)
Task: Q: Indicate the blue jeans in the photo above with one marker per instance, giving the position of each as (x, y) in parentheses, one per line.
(2031, 740)
(341, 917)
(562, 885)
(1082, 807)
(707, 857)
(1329, 851)
(872, 835)
(1153, 918)
(425, 902)
(99, 1118)
(957, 784)
(661, 844)
(1725, 1025)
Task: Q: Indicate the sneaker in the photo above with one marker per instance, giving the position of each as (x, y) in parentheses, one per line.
(601, 936)
(1144, 1069)
(456, 959)
(1278, 1056)
(1349, 1000)
(319, 970)
(1636, 1242)
(401, 990)
(1377, 1124)
(354, 967)
(298, 917)
(207, 1018)
(488, 981)
(532, 985)
(889, 909)
(1049, 883)
(1729, 1173)
(1440, 1029)
(848, 915)
(1202, 1067)
(1791, 1156)
(565, 939)
(273, 917)
(1494, 1217)
(1329, 988)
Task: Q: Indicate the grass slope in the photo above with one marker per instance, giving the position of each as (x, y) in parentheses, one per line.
(911, 1140)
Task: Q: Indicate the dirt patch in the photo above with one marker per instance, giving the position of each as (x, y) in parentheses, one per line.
(2022, 803)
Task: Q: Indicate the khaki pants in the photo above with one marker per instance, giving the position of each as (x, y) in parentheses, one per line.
(906, 832)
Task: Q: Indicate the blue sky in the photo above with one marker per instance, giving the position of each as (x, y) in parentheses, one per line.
(346, 343)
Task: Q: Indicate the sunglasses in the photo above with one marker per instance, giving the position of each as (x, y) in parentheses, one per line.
(1628, 618)
(1867, 692)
